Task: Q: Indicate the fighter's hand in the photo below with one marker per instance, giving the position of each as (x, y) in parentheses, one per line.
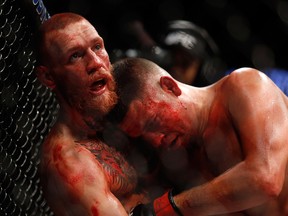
(162, 206)
(131, 201)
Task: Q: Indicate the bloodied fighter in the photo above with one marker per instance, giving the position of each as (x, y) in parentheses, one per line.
(80, 174)
(232, 134)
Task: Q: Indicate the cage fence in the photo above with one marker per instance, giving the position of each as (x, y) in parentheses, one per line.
(27, 110)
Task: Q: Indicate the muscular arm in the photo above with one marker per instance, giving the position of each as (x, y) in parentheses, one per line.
(75, 184)
(259, 116)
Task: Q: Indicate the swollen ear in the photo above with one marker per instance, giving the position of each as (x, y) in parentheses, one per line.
(45, 77)
(169, 85)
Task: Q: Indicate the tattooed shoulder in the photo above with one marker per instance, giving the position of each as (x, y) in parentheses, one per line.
(120, 174)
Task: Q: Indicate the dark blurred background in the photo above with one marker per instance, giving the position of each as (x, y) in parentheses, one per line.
(253, 33)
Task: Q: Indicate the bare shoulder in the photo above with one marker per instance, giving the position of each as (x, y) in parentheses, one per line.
(248, 90)
(68, 160)
(63, 160)
(75, 182)
(249, 81)
(116, 167)
(248, 76)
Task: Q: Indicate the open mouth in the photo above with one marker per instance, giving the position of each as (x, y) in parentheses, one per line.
(99, 86)
(173, 143)
(170, 140)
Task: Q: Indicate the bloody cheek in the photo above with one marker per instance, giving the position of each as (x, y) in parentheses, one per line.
(94, 211)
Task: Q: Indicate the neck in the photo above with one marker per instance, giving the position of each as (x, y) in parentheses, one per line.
(76, 124)
(199, 101)
(81, 125)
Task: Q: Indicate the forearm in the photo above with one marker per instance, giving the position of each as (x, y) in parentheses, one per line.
(233, 191)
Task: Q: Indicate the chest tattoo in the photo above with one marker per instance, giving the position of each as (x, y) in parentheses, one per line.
(121, 176)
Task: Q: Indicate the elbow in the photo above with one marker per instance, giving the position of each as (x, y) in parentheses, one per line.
(269, 185)
(271, 189)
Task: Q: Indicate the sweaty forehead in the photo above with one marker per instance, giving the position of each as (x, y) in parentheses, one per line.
(79, 27)
(139, 114)
(74, 34)
(74, 29)
(134, 119)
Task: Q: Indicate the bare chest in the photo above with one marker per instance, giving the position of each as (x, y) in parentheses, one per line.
(221, 147)
(121, 176)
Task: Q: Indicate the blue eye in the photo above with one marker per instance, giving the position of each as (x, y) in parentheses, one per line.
(74, 56)
(97, 47)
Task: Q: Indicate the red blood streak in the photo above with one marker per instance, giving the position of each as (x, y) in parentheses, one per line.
(94, 211)
(57, 153)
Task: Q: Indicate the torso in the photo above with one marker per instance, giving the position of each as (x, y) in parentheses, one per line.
(219, 150)
(222, 150)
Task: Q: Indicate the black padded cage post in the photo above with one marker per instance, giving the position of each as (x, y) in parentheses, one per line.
(27, 110)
